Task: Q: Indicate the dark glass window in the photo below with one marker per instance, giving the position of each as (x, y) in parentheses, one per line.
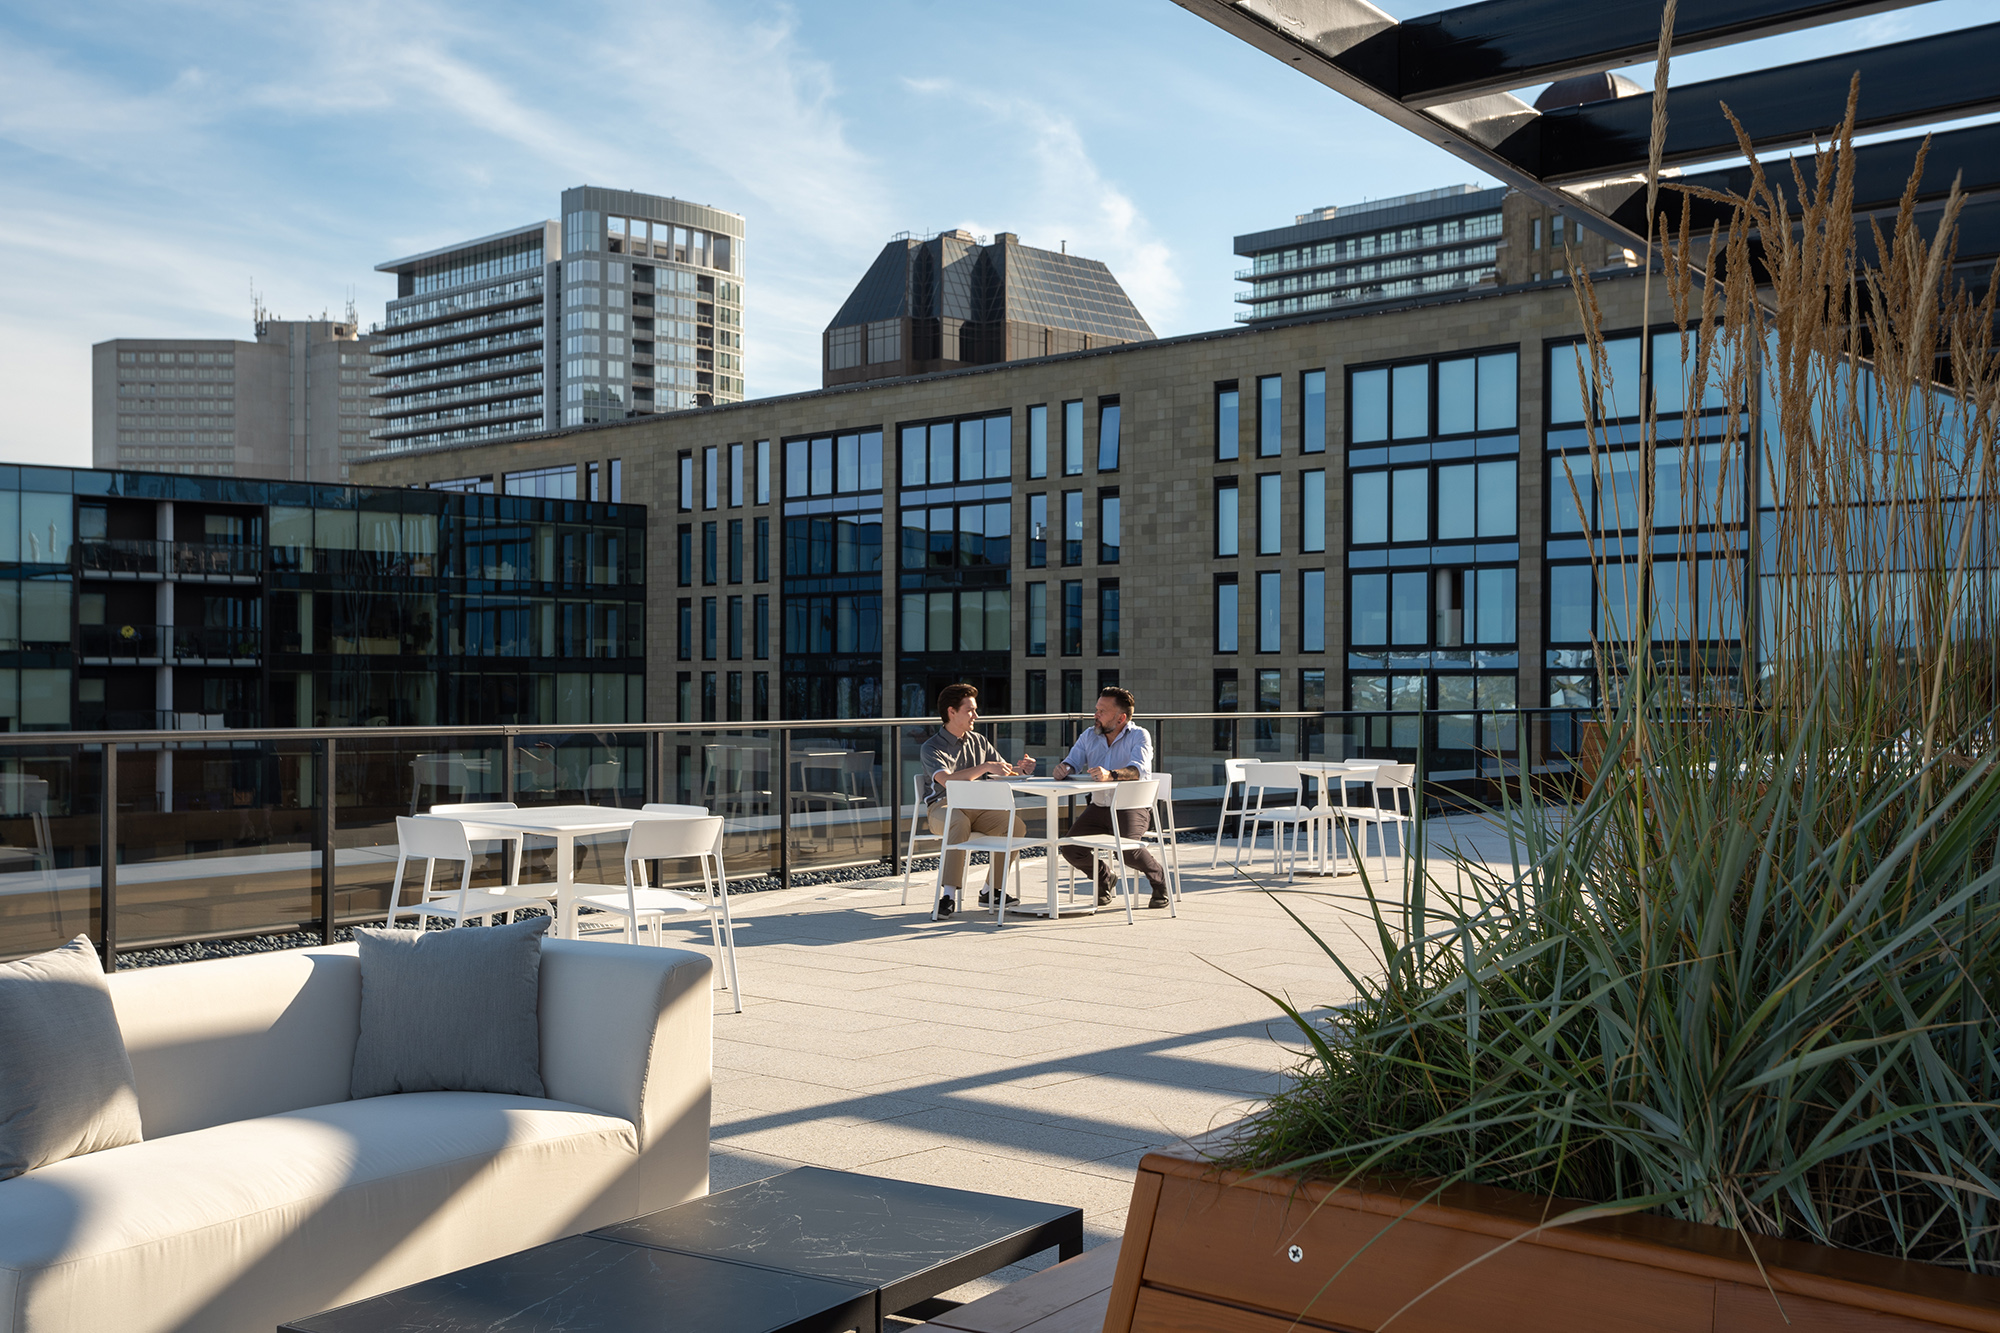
(736, 629)
(684, 570)
(684, 643)
(1224, 700)
(1038, 529)
(736, 550)
(687, 481)
(1072, 691)
(1270, 612)
(1038, 619)
(1107, 434)
(1072, 626)
(1228, 424)
(762, 552)
(708, 554)
(1107, 527)
(708, 629)
(760, 633)
(1107, 619)
(1226, 613)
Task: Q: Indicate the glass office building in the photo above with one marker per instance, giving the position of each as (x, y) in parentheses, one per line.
(148, 601)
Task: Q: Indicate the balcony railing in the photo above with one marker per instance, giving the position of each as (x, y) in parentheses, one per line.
(241, 831)
(170, 642)
(169, 559)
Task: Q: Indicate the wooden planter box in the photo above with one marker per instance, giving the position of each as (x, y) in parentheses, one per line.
(1207, 1249)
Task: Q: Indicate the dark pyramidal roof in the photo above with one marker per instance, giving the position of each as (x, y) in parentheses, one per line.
(953, 276)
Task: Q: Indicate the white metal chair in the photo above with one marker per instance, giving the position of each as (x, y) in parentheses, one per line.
(1166, 835)
(430, 840)
(672, 837)
(1298, 819)
(972, 794)
(918, 782)
(1114, 845)
(504, 839)
(1235, 773)
(1398, 782)
(667, 808)
(439, 772)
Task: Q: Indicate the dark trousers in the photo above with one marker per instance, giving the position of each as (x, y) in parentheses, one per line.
(1131, 824)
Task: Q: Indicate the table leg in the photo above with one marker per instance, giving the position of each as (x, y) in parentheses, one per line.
(1054, 832)
(566, 887)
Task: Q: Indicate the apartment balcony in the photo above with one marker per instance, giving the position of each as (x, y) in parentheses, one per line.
(416, 340)
(411, 426)
(512, 386)
(445, 376)
(169, 645)
(123, 558)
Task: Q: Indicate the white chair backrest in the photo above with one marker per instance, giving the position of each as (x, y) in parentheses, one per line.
(472, 807)
(1135, 795)
(439, 770)
(600, 776)
(1395, 775)
(434, 837)
(665, 808)
(1274, 777)
(977, 794)
(23, 794)
(1235, 770)
(672, 836)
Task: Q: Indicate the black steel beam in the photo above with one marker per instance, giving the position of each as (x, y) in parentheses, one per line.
(1499, 45)
(1881, 171)
(1907, 83)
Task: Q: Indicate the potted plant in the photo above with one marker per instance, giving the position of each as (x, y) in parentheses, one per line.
(1720, 1051)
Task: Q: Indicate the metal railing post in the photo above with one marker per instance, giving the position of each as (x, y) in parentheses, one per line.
(107, 879)
(329, 856)
(508, 779)
(655, 778)
(785, 807)
(892, 759)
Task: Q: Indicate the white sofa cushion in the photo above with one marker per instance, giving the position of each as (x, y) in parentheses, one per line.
(246, 1225)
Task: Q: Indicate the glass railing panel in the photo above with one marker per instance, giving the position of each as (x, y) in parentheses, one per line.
(733, 773)
(216, 838)
(839, 797)
(377, 779)
(51, 825)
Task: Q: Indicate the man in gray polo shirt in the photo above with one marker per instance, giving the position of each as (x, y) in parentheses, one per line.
(957, 753)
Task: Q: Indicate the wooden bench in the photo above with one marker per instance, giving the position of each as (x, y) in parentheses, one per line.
(1071, 1297)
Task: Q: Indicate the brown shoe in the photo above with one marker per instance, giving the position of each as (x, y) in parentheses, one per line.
(1158, 900)
(1105, 895)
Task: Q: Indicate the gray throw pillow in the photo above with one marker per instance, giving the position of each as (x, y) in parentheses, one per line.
(65, 1081)
(450, 1010)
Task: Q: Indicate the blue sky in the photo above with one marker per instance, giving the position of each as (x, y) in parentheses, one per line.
(157, 159)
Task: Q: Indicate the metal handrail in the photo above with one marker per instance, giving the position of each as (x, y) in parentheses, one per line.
(654, 779)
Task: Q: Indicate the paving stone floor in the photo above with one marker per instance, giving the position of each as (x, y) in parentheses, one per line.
(1041, 1060)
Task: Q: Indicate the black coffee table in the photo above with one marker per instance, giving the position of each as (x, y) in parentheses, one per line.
(808, 1251)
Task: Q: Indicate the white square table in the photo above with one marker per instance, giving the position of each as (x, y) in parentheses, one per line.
(565, 824)
(1051, 790)
(1334, 774)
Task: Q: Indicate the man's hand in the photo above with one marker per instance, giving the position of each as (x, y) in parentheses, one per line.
(997, 768)
(1027, 764)
(1063, 770)
(1099, 775)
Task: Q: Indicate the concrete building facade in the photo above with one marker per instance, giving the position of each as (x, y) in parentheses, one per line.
(1339, 511)
(290, 406)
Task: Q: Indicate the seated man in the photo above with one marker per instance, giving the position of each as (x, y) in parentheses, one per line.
(957, 753)
(1116, 751)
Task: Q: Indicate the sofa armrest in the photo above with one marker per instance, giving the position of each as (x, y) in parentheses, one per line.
(626, 1030)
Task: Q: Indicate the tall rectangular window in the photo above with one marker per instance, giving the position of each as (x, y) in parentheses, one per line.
(763, 472)
(1038, 531)
(1312, 510)
(761, 555)
(708, 696)
(1226, 537)
(1038, 702)
(735, 476)
(1270, 416)
(617, 481)
(1228, 425)
(1072, 527)
(1038, 620)
(1107, 618)
(1073, 438)
(708, 554)
(1107, 435)
(684, 640)
(1312, 412)
(1312, 611)
(733, 711)
(592, 483)
(687, 480)
(1224, 701)
(1226, 613)
(1270, 613)
(1072, 691)
(1072, 614)
(684, 701)
(710, 476)
(760, 627)
(1038, 440)
(708, 629)
(1107, 527)
(736, 629)
(1270, 515)
(736, 550)
(760, 696)
(684, 568)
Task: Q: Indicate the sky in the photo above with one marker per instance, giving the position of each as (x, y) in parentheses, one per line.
(160, 161)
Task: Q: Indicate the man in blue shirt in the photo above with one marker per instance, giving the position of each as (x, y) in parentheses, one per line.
(1115, 751)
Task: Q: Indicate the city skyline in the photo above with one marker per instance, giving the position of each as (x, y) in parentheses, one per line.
(160, 164)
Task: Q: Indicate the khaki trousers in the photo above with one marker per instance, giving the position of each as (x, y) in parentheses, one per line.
(955, 824)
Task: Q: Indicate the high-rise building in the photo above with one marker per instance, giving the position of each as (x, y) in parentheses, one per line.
(632, 304)
(291, 406)
(1382, 250)
(955, 300)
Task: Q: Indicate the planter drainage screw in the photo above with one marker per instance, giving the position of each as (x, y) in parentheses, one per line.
(1295, 1254)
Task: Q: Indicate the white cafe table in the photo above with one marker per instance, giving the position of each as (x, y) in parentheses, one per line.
(565, 824)
(1051, 790)
(1333, 775)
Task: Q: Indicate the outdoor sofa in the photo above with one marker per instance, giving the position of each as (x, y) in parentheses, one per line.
(261, 1192)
